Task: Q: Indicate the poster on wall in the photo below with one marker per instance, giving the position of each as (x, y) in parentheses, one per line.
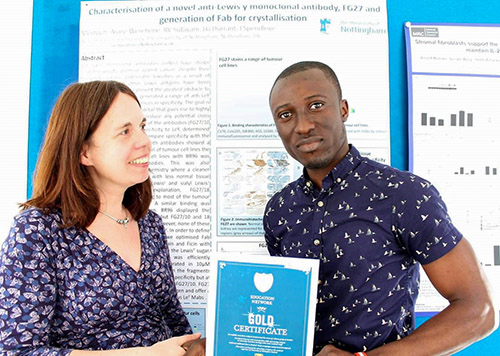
(454, 82)
(203, 72)
(250, 303)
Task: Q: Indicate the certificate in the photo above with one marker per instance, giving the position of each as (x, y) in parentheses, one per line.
(261, 305)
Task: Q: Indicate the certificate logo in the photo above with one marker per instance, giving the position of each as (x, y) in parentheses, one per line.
(263, 281)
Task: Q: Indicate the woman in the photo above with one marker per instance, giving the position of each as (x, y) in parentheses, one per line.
(86, 264)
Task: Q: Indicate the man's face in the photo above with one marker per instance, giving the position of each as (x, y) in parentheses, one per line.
(310, 116)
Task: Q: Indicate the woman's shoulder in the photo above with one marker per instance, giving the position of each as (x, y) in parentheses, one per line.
(151, 225)
(152, 218)
(151, 222)
(33, 230)
(38, 219)
(44, 226)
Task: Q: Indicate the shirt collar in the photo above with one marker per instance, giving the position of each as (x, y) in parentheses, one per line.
(337, 175)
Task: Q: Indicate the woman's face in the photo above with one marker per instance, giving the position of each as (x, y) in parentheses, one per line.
(117, 154)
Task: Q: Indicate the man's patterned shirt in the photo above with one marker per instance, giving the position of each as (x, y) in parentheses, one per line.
(370, 226)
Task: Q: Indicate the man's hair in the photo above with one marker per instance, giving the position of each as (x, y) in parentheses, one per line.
(61, 181)
(306, 65)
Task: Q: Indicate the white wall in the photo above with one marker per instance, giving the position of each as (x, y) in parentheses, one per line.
(15, 53)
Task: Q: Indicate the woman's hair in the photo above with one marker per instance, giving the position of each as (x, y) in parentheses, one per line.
(61, 181)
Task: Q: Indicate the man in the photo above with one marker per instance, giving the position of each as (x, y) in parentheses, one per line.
(370, 225)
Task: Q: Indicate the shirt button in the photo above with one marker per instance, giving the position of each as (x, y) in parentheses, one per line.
(308, 184)
(319, 282)
(339, 180)
(316, 242)
(320, 204)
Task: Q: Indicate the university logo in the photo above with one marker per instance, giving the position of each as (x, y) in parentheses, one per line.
(324, 25)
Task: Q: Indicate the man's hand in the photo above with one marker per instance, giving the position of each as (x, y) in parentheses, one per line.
(195, 347)
(330, 350)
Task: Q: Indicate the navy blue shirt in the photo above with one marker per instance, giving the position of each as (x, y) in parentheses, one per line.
(64, 289)
(370, 225)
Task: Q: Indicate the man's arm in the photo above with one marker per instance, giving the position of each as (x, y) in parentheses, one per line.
(470, 316)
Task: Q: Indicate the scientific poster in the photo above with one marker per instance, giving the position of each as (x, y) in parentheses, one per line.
(203, 72)
(454, 77)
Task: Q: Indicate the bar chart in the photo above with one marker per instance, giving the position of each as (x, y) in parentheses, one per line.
(496, 257)
(464, 120)
(461, 171)
(488, 171)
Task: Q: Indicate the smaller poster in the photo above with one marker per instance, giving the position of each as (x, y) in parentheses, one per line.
(261, 305)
